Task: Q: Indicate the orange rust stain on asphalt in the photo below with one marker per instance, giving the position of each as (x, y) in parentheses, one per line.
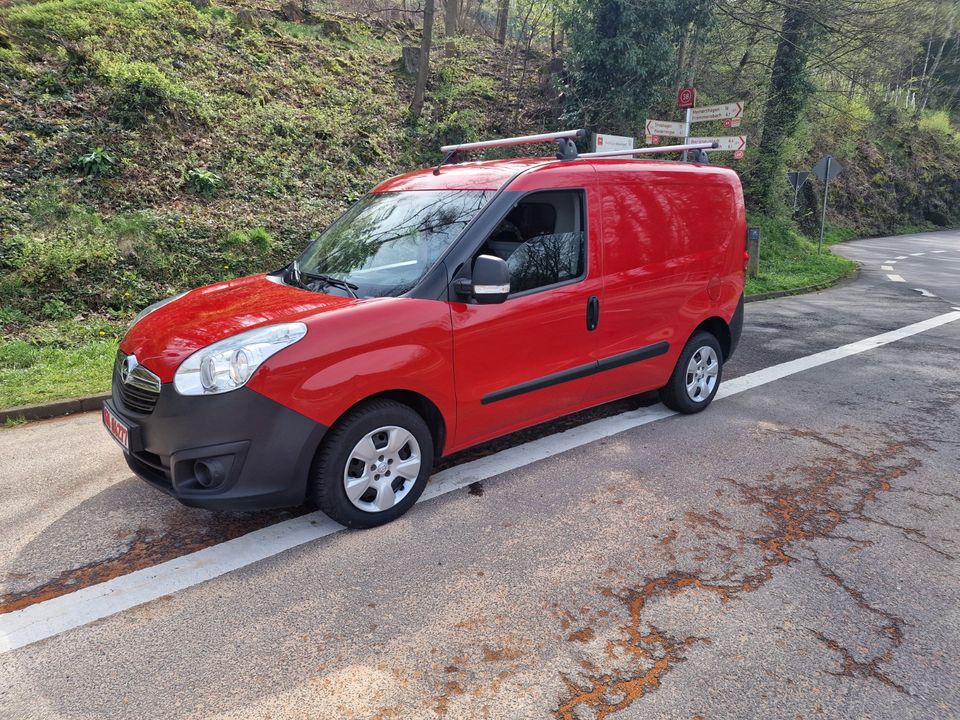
(669, 537)
(823, 496)
(713, 519)
(497, 654)
(585, 635)
(385, 713)
(441, 704)
(145, 549)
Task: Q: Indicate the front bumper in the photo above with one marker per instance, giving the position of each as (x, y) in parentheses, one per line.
(234, 451)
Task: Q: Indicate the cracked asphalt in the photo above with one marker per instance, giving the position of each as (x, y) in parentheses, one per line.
(790, 553)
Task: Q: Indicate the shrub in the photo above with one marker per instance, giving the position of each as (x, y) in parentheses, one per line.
(937, 121)
(203, 181)
(460, 126)
(257, 239)
(16, 355)
(97, 162)
(142, 88)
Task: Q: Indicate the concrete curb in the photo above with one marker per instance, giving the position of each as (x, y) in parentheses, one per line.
(851, 276)
(53, 409)
(93, 402)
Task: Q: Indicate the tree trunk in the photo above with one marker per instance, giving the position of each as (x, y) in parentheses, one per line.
(464, 15)
(503, 14)
(936, 65)
(450, 26)
(788, 93)
(416, 107)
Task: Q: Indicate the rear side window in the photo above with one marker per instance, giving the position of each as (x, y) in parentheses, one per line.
(543, 240)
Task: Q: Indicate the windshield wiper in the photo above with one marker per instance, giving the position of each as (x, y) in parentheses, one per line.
(327, 279)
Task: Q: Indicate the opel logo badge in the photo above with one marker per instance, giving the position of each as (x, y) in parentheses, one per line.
(128, 366)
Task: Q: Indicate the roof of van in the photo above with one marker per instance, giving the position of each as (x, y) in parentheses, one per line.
(493, 174)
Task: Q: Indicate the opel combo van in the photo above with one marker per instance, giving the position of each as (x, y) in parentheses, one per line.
(445, 308)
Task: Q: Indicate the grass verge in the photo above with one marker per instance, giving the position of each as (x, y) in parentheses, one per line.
(31, 374)
(789, 261)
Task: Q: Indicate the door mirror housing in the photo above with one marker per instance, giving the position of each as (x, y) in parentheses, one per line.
(490, 283)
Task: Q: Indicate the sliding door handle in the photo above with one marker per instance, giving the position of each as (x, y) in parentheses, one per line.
(593, 312)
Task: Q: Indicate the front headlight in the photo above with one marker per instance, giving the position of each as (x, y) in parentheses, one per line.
(156, 306)
(228, 364)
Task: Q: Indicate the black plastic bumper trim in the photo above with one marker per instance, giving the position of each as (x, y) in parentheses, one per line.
(264, 448)
(736, 329)
(581, 371)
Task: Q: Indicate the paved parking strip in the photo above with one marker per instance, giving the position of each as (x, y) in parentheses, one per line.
(790, 552)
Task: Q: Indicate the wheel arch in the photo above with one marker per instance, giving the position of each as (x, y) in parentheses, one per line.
(420, 404)
(719, 328)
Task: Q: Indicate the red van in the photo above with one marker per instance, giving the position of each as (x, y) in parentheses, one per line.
(447, 307)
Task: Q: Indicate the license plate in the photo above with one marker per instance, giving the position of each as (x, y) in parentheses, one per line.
(117, 428)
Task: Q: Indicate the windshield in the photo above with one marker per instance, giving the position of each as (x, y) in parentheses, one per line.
(386, 242)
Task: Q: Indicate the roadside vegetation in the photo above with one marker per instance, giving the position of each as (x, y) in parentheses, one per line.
(150, 146)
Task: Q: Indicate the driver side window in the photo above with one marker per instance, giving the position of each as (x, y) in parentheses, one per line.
(543, 240)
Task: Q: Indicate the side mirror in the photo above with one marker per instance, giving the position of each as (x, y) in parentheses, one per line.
(490, 283)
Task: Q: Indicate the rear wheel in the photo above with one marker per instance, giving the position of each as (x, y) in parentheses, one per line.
(697, 375)
(373, 464)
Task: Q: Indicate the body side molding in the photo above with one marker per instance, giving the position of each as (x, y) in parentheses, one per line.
(580, 371)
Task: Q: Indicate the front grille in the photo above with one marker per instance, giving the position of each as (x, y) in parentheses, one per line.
(137, 387)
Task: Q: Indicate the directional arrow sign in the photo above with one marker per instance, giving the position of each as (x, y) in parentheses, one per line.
(735, 143)
(717, 112)
(664, 127)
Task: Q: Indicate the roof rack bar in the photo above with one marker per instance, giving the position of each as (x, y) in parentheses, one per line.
(521, 140)
(651, 150)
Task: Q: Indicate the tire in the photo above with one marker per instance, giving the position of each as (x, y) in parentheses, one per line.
(378, 492)
(701, 353)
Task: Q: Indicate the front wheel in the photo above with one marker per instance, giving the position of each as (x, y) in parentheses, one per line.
(696, 377)
(373, 464)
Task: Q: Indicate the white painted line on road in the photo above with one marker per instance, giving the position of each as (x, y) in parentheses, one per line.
(896, 278)
(890, 262)
(776, 372)
(901, 257)
(937, 251)
(925, 293)
(915, 254)
(52, 617)
(888, 268)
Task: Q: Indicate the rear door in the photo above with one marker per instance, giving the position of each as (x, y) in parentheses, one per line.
(531, 358)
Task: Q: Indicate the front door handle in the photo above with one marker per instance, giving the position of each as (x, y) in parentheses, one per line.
(593, 312)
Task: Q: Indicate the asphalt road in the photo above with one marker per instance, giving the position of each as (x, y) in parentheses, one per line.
(790, 553)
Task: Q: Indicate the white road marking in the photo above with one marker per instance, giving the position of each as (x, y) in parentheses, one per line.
(937, 251)
(776, 372)
(925, 293)
(52, 617)
(915, 254)
(901, 257)
(888, 268)
(890, 262)
(896, 278)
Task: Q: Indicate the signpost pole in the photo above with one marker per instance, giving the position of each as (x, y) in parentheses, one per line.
(823, 215)
(686, 137)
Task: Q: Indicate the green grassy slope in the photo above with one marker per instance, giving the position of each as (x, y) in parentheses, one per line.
(147, 146)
